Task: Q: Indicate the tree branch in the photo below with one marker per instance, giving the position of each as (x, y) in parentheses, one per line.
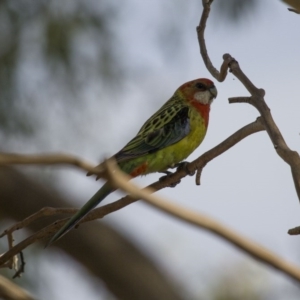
(121, 180)
(100, 212)
(96, 246)
(11, 291)
(257, 100)
(220, 76)
(45, 159)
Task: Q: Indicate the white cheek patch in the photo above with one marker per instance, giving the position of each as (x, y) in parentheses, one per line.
(203, 97)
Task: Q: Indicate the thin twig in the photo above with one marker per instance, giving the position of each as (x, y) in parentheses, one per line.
(239, 100)
(232, 140)
(45, 232)
(198, 175)
(44, 212)
(220, 76)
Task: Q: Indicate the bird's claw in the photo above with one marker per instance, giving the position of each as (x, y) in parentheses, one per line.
(184, 165)
(168, 174)
(180, 166)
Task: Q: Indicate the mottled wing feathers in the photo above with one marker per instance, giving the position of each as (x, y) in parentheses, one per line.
(168, 126)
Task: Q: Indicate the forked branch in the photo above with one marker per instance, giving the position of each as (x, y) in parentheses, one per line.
(256, 99)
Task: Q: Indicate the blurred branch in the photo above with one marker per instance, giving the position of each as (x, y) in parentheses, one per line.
(121, 180)
(104, 252)
(11, 291)
(100, 212)
(45, 159)
(257, 100)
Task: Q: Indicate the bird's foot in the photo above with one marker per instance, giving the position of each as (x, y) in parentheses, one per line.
(168, 174)
(184, 165)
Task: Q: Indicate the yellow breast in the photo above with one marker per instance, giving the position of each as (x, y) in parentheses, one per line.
(173, 154)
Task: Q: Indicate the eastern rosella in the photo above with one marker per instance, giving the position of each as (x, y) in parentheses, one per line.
(166, 139)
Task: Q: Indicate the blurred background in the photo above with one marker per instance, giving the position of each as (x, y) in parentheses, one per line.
(82, 76)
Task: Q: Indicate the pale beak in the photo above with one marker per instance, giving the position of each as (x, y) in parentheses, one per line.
(213, 91)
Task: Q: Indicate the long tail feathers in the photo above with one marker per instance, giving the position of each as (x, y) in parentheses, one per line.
(105, 190)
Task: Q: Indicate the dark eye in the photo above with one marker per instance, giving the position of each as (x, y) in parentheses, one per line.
(200, 86)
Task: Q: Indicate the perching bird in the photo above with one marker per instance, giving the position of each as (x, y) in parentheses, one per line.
(166, 139)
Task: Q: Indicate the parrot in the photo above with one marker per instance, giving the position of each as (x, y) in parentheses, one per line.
(167, 138)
